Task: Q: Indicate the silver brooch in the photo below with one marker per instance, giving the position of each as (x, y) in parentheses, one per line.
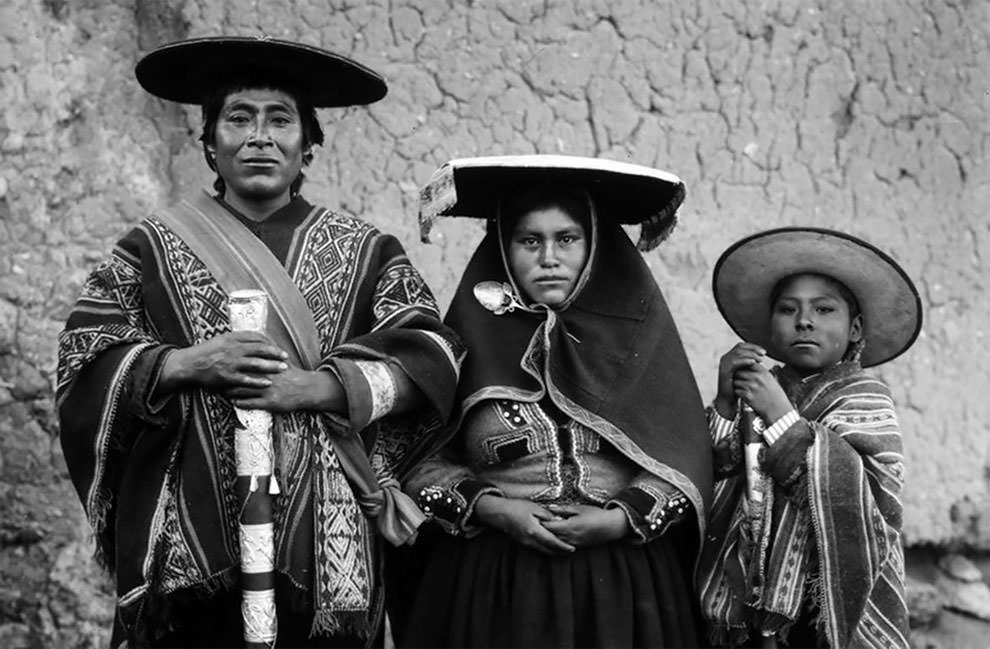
(497, 297)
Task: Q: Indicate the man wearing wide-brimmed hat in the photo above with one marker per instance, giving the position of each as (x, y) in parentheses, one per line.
(354, 361)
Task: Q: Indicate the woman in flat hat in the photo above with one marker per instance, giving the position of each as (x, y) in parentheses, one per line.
(355, 359)
(804, 545)
(573, 493)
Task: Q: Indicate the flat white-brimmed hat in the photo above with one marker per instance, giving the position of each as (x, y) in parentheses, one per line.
(186, 71)
(630, 193)
(746, 274)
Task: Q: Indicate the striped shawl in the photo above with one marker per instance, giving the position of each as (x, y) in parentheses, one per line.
(157, 479)
(828, 536)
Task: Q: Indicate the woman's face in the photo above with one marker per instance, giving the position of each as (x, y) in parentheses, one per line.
(259, 146)
(547, 252)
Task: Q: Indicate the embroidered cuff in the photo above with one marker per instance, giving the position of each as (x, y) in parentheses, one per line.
(453, 506)
(672, 512)
(779, 427)
(370, 387)
(382, 385)
(785, 460)
(718, 426)
(650, 514)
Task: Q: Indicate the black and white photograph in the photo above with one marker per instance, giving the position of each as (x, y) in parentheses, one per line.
(495, 324)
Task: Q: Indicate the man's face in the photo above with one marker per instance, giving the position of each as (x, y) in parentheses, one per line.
(258, 146)
(811, 325)
(546, 254)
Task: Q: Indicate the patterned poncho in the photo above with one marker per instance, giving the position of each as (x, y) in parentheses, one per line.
(157, 478)
(828, 536)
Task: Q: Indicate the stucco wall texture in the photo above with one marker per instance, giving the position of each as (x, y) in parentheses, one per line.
(869, 117)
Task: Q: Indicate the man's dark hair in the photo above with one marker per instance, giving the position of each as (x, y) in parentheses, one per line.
(312, 132)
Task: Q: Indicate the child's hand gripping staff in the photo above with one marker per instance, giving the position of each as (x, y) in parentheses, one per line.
(748, 388)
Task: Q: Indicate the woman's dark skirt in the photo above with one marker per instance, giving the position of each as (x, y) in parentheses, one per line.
(490, 591)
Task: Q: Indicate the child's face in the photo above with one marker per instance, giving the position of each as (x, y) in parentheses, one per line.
(811, 325)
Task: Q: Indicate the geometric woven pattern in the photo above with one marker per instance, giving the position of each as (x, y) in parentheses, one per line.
(154, 292)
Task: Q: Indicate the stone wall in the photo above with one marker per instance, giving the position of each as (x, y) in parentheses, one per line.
(870, 117)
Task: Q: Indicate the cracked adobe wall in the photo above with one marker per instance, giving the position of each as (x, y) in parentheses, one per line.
(868, 117)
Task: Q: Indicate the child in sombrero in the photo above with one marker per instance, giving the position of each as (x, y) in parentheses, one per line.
(803, 547)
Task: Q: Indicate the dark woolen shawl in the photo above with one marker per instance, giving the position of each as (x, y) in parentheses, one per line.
(611, 359)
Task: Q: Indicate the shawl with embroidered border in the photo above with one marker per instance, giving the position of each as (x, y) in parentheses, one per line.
(612, 359)
(156, 480)
(829, 535)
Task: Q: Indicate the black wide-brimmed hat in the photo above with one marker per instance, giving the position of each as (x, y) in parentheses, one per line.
(629, 193)
(746, 274)
(186, 71)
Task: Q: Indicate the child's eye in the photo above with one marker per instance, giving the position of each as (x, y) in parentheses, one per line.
(826, 309)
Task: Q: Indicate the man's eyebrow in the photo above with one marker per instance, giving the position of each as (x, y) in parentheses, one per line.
(241, 105)
(269, 105)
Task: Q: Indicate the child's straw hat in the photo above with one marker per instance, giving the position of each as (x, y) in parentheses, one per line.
(746, 274)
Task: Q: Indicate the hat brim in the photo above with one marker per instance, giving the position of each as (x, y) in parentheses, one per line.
(187, 71)
(746, 274)
(629, 193)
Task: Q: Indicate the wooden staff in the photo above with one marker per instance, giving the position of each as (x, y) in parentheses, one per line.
(255, 487)
(750, 426)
